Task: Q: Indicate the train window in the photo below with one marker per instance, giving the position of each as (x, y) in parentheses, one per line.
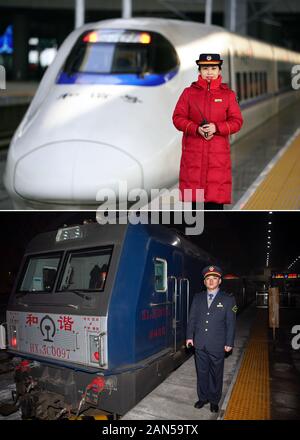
(40, 274)
(257, 91)
(118, 52)
(261, 80)
(161, 275)
(245, 83)
(265, 82)
(238, 86)
(251, 84)
(86, 270)
(284, 76)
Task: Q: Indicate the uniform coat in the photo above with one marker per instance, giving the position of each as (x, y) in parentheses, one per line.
(206, 164)
(211, 328)
(214, 327)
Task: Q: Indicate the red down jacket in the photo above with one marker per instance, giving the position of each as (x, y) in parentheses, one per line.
(206, 164)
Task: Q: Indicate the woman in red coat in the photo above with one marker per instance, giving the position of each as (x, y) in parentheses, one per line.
(207, 112)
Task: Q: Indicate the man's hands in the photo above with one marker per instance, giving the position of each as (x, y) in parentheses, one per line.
(190, 342)
(210, 129)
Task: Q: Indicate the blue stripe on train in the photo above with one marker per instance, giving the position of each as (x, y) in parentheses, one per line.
(153, 79)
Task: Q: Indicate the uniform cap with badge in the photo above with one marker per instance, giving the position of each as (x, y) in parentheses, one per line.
(212, 270)
(209, 59)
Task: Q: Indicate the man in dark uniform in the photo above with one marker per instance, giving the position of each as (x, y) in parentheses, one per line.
(211, 330)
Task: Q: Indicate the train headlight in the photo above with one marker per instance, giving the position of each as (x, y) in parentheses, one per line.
(92, 37)
(116, 36)
(145, 38)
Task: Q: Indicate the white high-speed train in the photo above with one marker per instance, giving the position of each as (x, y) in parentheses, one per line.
(103, 110)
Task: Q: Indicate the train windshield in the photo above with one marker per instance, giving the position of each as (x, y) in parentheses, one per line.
(86, 270)
(40, 274)
(120, 57)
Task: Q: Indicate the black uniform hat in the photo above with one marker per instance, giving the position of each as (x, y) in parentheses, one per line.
(212, 270)
(209, 59)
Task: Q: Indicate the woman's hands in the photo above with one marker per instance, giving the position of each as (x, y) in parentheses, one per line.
(210, 129)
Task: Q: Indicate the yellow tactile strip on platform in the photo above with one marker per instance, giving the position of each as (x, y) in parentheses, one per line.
(250, 398)
(281, 187)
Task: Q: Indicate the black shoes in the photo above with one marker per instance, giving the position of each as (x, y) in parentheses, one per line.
(214, 407)
(200, 404)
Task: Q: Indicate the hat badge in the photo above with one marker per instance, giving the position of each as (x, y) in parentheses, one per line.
(211, 268)
(208, 57)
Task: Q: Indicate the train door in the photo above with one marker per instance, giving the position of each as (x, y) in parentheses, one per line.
(172, 295)
(184, 286)
(180, 304)
(162, 303)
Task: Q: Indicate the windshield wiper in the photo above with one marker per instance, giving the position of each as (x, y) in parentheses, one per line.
(26, 292)
(20, 294)
(79, 293)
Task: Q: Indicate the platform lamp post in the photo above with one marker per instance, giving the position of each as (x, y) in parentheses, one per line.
(232, 18)
(126, 8)
(274, 309)
(208, 11)
(79, 13)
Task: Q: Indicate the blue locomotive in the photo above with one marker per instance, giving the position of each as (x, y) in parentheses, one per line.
(98, 314)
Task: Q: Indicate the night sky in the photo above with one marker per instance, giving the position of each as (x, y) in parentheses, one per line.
(236, 239)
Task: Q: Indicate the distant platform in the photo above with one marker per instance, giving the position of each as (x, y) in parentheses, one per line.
(18, 90)
(17, 94)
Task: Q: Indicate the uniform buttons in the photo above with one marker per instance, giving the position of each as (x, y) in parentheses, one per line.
(206, 322)
(206, 329)
(208, 313)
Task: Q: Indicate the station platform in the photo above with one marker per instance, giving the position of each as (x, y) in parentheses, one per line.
(261, 378)
(265, 164)
(278, 185)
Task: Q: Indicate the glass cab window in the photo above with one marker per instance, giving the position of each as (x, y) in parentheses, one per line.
(118, 52)
(86, 270)
(40, 274)
(161, 275)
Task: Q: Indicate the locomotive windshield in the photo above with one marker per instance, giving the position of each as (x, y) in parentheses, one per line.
(82, 270)
(86, 270)
(40, 274)
(107, 55)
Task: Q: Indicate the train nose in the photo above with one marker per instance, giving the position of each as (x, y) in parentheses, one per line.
(74, 172)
